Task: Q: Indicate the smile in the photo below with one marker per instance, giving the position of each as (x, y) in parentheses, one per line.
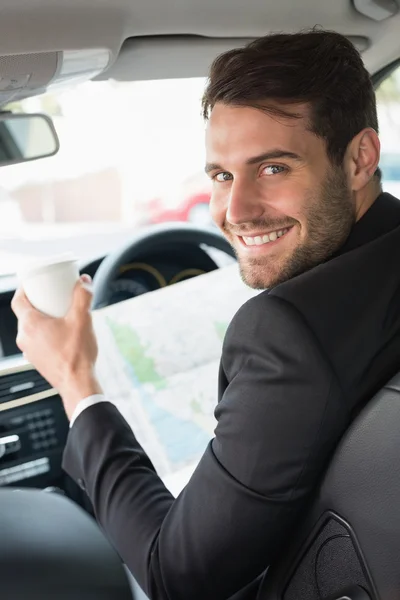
(260, 240)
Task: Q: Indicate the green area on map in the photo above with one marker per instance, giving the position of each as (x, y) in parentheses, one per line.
(135, 354)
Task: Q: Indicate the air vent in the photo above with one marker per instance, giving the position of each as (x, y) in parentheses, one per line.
(21, 384)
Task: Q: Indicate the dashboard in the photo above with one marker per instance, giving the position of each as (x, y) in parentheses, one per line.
(142, 275)
(152, 273)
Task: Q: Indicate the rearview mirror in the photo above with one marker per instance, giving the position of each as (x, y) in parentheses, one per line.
(25, 137)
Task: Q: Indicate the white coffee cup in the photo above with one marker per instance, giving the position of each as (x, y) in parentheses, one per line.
(49, 283)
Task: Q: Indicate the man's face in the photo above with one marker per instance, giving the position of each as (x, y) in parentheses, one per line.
(277, 198)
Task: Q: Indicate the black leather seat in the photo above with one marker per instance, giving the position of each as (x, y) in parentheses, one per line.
(348, 546)
(50, 549)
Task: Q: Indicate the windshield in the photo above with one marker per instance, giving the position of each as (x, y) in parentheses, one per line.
(132, 154)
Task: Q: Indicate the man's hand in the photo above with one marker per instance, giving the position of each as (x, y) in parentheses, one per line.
(64, 351)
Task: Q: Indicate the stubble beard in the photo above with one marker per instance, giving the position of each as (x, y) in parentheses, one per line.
(329, 219)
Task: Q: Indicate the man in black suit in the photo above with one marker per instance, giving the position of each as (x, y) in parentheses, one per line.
(293, 152)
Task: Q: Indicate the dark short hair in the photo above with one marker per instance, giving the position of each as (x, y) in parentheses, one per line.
(318, 67)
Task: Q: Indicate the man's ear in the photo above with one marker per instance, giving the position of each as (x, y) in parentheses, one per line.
(362, 158)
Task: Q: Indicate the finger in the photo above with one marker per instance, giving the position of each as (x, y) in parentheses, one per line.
(25, 312)
(20, 303)
(20, 342)
(82, 299)
(87, 282)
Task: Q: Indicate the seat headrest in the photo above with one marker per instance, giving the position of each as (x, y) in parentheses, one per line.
(52, 550)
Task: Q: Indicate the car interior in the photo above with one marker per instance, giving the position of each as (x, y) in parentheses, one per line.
(117, 53)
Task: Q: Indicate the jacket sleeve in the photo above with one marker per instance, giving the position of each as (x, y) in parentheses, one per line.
(280, 415)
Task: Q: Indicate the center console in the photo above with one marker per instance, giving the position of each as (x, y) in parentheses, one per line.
(33, 427)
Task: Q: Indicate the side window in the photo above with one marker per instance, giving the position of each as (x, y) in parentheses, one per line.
(388, 105)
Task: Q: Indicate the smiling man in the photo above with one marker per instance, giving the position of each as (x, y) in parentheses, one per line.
(289, 176)
(293, 153)
(281, 203)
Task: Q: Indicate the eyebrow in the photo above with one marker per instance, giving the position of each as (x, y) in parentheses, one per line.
(271, 155)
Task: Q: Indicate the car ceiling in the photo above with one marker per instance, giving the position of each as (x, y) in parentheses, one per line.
(150, 39)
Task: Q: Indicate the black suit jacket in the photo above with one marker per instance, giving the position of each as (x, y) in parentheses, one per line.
(298, 362)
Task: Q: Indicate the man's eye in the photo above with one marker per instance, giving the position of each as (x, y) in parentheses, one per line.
(222, 177)
(273, 170)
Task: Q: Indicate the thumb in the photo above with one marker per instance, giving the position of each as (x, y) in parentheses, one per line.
(82, 298)
(85, 278)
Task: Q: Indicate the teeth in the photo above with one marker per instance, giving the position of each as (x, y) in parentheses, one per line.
(265, 239)
(249, 241)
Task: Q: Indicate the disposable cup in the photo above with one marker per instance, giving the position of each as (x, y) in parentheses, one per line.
(49, 283)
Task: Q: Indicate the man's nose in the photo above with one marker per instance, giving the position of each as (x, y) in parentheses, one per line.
(244, 203)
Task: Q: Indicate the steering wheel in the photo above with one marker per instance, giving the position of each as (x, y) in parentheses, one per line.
(145, 242)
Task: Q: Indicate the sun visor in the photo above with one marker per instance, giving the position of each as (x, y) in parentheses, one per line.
(26, 75)
(169, 57)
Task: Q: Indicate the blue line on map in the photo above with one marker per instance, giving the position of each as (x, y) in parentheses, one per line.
(182, 439)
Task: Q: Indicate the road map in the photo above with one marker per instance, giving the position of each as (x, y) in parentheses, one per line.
(158, 363)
